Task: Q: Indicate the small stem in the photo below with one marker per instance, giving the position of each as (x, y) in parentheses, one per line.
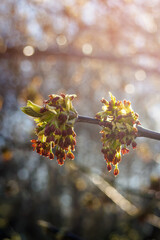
(142, 132)
(87, 120)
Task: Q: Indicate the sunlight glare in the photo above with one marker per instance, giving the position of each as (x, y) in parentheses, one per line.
(114, 195)
(123, 111)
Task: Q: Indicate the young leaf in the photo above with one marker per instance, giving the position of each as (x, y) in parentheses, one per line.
(34, 106)
(29, 111)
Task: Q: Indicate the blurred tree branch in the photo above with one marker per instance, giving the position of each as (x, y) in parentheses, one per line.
(143, 214)
(126, 61)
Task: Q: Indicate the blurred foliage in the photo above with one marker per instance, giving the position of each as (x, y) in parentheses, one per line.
(88, 48)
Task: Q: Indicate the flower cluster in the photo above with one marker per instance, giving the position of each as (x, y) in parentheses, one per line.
(55, 127)
(118, 122)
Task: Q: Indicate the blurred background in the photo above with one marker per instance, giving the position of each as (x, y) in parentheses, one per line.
(88, 48)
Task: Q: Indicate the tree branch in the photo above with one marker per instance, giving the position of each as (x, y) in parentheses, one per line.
(72, 53)
(142, 132)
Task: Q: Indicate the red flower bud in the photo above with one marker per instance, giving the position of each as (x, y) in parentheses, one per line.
(52, 138)
(62, 118)
(124, 150)
(110, 157)
(42, 110)
(52, 128)
(129, 142)
(50, 96)
(104, 150)
(34, 145)
(73, 147)
(47, 130)
(70, 155)
(126, 103)
(108, 124)
(48, 139)
(67, 141)
(62, 155)
(116, 171)
(55, 99)
(51, 156)
(63, 95)
(73, 142)
(73, 133)
(114, 162)
(109, 167)
(138, 123)
(118, 103)
(60, 161)
(57, 131)
(64, 133)
(69, 131)
(98, 117)
(121, 135)
(119, 117)
(61, 144)
(134, 144)
(57, 152)
(104, 101)
(43, 145)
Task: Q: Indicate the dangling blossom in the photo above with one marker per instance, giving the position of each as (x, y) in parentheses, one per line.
(55, 127)
(118, 122)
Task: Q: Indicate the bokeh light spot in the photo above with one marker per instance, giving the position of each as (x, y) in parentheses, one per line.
(68, 2)
(87, 49)
(144, 152)
(26, 66)
(23, 174)
(12, 188)
(89, 12)
(140, 75)
(28, 51)
(61, 40)
(129, 88)
(81, 184)
(42, 46)
(7, 154)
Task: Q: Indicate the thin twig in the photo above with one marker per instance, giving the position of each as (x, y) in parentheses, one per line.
(142, 132)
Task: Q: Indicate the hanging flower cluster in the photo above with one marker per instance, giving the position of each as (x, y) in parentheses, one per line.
(55, 127)
(119, 130)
